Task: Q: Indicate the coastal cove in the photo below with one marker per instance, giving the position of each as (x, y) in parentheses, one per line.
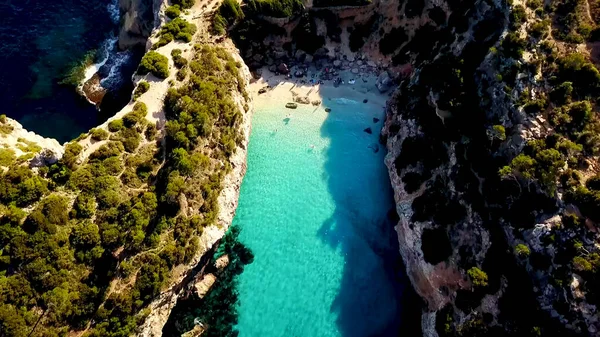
(315, 210)
(45, 42)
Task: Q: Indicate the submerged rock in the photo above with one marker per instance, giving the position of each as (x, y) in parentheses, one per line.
(365, 100)
(374, 147)
(327, 110)
(368, 130)
(375, 119)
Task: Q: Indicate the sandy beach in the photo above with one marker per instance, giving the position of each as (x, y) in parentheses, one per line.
(281, 89)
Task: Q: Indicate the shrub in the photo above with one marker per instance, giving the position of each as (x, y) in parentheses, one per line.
(184, 4)
(150, 132)
(513, 46)
(173, 11)
(181, 74)
(71, 155)
(7, 157)
(84, 206)
(522, 250)
(115, 125)
(110, 149)
(179, 61)
(581, 264)
(141, 88)
(154, 63)
(130, 139)
(227, 14)
(539, 29)
(534, 4)
(178, 29)
(478, 277)
(575, 68)
(275, 8)
(562, 93)
(518, 16)
(98, 134)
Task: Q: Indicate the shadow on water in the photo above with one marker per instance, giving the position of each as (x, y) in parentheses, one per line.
(374, 288)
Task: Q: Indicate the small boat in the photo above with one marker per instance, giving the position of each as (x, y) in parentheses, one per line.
(291, 105)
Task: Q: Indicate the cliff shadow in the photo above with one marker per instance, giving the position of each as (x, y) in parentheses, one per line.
(375, 297)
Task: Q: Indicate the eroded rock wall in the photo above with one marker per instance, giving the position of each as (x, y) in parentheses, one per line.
(138, 19)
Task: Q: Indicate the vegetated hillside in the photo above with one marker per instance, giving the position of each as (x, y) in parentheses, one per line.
(493, 144)
(87, 242)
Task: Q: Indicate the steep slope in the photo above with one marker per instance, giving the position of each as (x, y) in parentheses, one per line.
(490, 142)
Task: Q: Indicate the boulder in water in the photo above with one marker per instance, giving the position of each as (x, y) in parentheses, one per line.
(327, 110)
(383, 82)
(291, 105)
(368, 130)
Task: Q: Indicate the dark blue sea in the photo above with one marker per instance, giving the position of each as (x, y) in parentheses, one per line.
(40, 42)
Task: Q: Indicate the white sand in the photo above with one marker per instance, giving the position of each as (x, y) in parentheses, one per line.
(282, 89)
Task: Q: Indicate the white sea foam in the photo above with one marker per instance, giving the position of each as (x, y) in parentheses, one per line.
(115, 75)
(105, 50)
(113, 11)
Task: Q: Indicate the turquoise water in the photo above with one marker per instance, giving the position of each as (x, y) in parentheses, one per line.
(326, 259)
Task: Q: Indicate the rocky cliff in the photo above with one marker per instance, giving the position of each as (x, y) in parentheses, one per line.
(468, 221)
(138, 19)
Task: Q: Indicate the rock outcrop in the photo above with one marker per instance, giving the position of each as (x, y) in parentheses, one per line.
(138, 19)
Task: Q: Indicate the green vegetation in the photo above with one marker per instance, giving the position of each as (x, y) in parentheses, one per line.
(76, 73)
(178, 60)
(115, 125)
(7, 157)
(154, 63)
(183, 4)
(571, 22)
(227, 14)
(5, 127)
(173, 11)
(28, 146)
(141, 88)
(177, 29)
(71, 230)
(478, 277)
(98, 134)
(275, 8)
(522, 250)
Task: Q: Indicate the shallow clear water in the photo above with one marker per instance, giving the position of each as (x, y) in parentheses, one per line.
(316, 219)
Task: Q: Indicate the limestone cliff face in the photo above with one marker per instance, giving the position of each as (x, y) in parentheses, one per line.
(138, 19)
